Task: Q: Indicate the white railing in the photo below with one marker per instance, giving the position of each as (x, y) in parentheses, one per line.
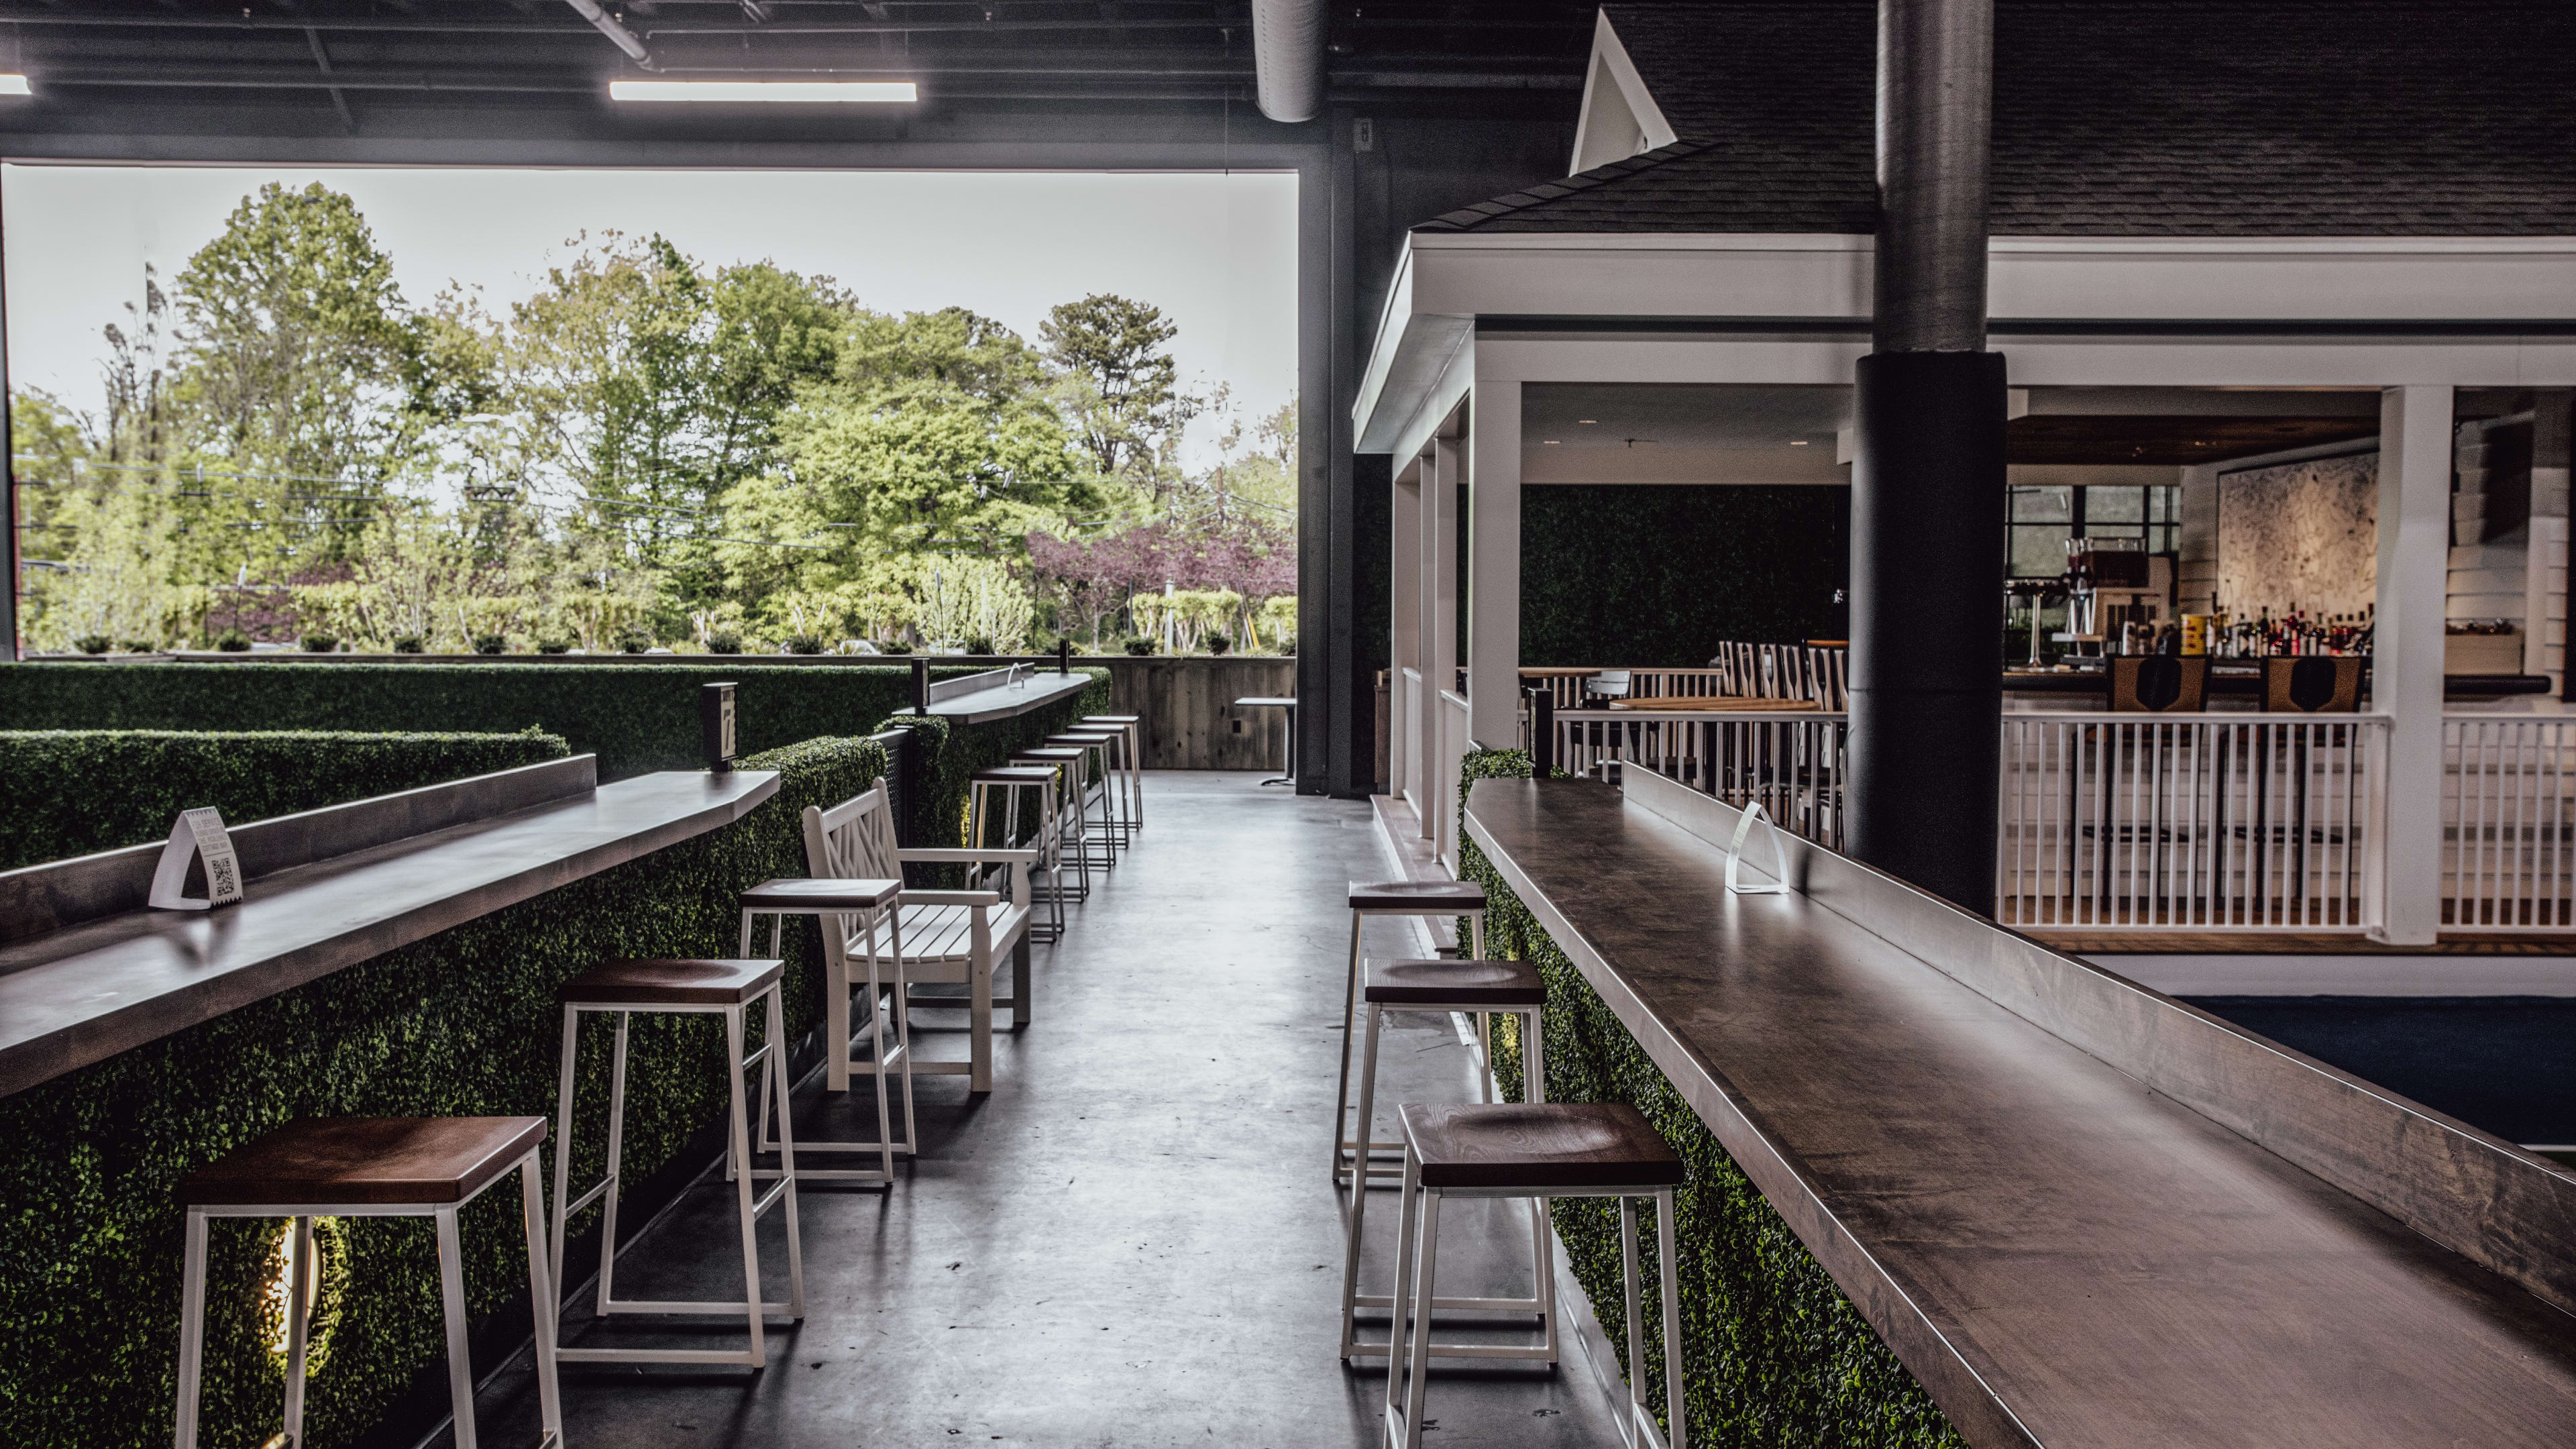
(1789, 763)
(2508, 823)
(1774, 671)
(1408, 740)
(2188, 823)
(1453, 758)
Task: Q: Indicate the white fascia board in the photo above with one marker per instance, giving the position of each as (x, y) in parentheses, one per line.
(2304, 279)
(1725, 275)
(1417, 350)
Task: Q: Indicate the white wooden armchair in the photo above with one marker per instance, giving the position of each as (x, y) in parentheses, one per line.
(946, 937)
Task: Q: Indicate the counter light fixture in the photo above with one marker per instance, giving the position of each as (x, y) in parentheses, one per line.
(809, 92)
(14, 85)
(1550, 442)
(1797, 442)
(1589, 422)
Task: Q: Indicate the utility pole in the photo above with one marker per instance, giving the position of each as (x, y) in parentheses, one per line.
(1928, 471)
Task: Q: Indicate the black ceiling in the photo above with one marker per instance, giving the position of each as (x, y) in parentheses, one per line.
(343, 58)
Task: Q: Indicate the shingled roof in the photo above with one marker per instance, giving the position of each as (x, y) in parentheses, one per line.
(2112, 118)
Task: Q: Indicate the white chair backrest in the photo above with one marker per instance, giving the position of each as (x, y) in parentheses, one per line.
(853, 840)
(1609, 684)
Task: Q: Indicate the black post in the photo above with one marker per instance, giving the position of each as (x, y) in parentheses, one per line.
(1064, 656)
(920, 685)
(1542, 699)
(716, 731)
(1928, 472)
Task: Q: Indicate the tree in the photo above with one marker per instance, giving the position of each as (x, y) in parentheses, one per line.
(1121, 391)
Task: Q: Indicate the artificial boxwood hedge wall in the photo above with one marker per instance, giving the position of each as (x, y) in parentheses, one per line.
(464, 1023)
(953, 754)
(1776, 1355)
(74, 792)
(1657, 575)
(635, 717)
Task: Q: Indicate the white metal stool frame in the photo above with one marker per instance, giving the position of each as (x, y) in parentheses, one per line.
(837, 1066)
(1415, 1281)
(1352, 1147)
(1069, 822)
(1542, 1248)
(772, 1056)
(1133, 726)
(300, 1262)
(1102, 746)
(1049, 843)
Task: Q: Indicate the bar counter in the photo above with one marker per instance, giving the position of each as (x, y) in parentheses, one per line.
(2079, 1212)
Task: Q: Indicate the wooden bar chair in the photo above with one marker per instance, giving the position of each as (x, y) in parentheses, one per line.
(679, 987)
(834, 902)
(1392, 898)
(1482, 988)
(370, 1167)
(935, 938)
(1538, 1151)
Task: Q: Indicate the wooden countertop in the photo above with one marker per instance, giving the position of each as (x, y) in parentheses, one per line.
(78, 995)
(2135, 1225)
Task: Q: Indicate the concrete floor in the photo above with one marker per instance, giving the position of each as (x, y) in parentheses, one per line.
(1131, 1241)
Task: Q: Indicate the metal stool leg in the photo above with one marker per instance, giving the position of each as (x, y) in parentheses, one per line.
(740, 1136)
(451, 1295)
(299, 1271)
(532, 1211)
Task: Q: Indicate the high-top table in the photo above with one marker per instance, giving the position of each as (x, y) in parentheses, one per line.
(1287, 777)
(2080, 1212)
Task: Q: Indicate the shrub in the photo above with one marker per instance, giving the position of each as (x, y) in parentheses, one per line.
(409, 644)
(724, 642)
(1219, 643)
(93, 644)
(233, 641)
(979, 646)
(634, 641)
(1140, 646)
(554, 644)
(137, 646)
(491, 644)
(74, 792)
(895, 646)
(321, 643)
(801, 644)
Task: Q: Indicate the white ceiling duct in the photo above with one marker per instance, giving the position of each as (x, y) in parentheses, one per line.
(1288, 57)
(618, 35)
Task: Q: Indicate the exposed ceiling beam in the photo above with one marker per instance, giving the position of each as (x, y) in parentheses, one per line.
(339, 99)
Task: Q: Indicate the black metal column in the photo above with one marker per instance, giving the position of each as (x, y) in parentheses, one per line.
(1928, 472)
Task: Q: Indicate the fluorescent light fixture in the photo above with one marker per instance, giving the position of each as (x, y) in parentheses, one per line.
(896, 92)
(14, 85)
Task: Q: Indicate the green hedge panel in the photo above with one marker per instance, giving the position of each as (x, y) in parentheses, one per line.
(74, 792)
(1776, 1354)
(1658, 575)
(955, 754)
(636, 717)
(464, 1023)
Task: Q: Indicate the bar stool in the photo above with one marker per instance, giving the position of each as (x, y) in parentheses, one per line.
(1102, 746)
(1010, 780)
(682, 987)
(1132, 728)
(1067, 762)
(370, 1167)
(831, 899)
(1537, 1151)
(1507, 987)
(1394, 898)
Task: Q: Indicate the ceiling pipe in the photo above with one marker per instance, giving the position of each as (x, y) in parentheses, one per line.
(618, 35)
(1288, 58)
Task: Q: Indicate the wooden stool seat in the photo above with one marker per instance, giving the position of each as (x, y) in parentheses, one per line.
(1014, 774)
(1460, 985)
(673, 983)
(1047, 752)
(795, 895)
(326, 1161)
(1430, 897)
(1113, 719)
(1538, 1146)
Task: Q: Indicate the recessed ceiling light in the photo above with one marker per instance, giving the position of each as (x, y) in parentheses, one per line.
(1588, 420)
(840, 92)
(14, 85)
(1797, 442)
(1551, 442)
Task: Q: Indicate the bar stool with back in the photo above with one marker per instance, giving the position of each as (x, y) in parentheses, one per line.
(346, 1167)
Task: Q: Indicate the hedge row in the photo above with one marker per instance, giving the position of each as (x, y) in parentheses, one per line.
(75, 792)
(1777, 1356)
(464, 1023)
(636, 718)
(954, 754)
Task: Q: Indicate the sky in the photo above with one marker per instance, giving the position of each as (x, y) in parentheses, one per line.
(1218, 253)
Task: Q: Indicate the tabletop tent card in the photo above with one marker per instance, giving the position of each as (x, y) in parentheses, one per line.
(197, 835)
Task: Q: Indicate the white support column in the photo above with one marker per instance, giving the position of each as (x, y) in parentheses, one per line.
(1494, 567)
(1439, 614)
(1404, 619)
(2406, 666)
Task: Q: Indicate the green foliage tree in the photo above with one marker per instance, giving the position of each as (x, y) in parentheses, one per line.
(1120, 386)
